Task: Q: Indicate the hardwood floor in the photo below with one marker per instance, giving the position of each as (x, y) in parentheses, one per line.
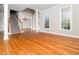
(2, 51)
(32, 43)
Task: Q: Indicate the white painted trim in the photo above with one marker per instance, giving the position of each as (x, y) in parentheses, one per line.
(67, 35)
(1, 29)
(31, 23)
(6, 22)
(33, 28)
(15, 33)
(46, 32)
(9, 33)
(37, 26)
(44, 20)
(18, 32)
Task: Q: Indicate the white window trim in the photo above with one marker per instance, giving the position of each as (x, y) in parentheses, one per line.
(44, 20)
(61, 18)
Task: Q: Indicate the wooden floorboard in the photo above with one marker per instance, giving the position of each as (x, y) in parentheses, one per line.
(2, 47)
(32, 43)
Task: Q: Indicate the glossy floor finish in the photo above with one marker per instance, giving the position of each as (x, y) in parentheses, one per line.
(2, 46)
(32, 43)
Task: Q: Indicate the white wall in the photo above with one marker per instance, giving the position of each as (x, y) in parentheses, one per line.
(54, 20)
(34, 22)
(27, 23)
(1, 21)
(30, 23)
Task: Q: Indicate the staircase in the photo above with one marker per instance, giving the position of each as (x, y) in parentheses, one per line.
(14, 22)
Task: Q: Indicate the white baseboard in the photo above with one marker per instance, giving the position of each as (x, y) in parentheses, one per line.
(1, 30)
(14, 33)
(67, 35)
(33, 28)
(45, 32)
(9, 33)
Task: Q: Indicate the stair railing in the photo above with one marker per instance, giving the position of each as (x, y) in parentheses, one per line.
(20, 22)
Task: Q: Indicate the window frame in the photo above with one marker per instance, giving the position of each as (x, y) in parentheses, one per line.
(61, 18)
(45, 20)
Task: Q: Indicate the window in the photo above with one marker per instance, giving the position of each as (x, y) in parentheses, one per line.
(46, 21)
(66, 18)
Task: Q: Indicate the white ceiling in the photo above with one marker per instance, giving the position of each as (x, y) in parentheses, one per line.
(20, 7)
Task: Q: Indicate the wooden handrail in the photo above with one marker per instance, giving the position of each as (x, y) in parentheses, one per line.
(19, 20)
(21, 23)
